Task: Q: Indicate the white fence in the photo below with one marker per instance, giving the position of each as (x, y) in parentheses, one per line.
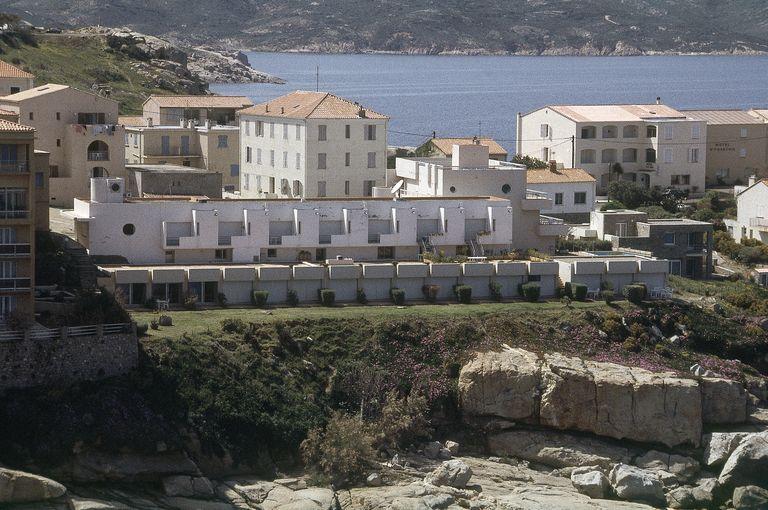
(66, 332)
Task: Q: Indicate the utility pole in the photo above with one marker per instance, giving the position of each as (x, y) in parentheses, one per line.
(317, 78)
(479, 128)
(573, 151)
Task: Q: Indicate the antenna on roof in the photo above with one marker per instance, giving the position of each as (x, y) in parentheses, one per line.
(317, 78)
(479, 128)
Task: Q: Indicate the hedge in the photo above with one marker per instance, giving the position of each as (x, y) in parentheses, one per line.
(293, 298)
(398, 296)
(634, 293)
(327, 296)
(260, 297)
(430, 291)
(463, 293)
(495, 289)
(531, 291)
(579, 291)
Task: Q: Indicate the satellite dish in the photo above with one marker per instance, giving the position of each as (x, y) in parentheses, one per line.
(397, 187)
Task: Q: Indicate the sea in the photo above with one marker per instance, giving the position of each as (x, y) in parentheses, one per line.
(481, 95)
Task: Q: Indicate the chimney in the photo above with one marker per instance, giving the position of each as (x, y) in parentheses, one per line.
(361, 112)
(182, 122)
(266, 108)
(434, 134)
(149, 121)
(475, 140)
(207, 124)
(552, 165)
(752, 180)
(282, 110)
(658, 99)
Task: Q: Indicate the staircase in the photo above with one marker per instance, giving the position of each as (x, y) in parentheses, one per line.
(426, 246)
(476, 247)
(86, 270)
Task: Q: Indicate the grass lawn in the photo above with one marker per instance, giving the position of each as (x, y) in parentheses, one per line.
(199, 321)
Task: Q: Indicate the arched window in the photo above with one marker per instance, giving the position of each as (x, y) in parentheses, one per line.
(98, 151)
(99, 171)
(587, 156)
(608, 156)
(610, 132)
(588, 132)
(630, 132)
(629, 156)
(650, 155)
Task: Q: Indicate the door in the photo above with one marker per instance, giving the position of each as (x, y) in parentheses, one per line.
(693, 267)
(185, 146)
(165, 143)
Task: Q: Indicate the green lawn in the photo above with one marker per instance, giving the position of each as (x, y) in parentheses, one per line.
(208, 319)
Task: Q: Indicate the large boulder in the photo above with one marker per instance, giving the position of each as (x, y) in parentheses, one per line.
(183, 485)
(750, 498)
(22, 487)
(718, 446)
(723, 401)
(570, 393)
(98, 467)
(684, 468)
(635, 484)
(453, 473)
(748, 464)
(556, 449)
(701, 496)
(501, 384)
(591, 483)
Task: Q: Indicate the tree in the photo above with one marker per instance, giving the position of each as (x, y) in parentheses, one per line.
(529, 161)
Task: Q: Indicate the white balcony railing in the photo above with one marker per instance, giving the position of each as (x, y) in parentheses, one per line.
(758, 222)
(98, 155)
(532, 194)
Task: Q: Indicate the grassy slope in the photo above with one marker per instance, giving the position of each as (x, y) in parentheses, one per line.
(81, 62)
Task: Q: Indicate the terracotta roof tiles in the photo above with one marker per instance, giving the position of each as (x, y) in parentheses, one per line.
(9, 71)
(303, 104)
(200, 101)
(547, 176)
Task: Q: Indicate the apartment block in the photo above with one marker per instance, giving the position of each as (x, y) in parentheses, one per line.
(170, 110)
(205, 231)
(311, 145)
(752, 212)
(651, 145)
(687, 244)
(614, 271)
(13, 79)
(737, 145)
(213, 147)
(79, 130)
(18, 182)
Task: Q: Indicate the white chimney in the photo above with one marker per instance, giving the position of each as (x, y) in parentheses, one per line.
(182, 122)
(149, 122)
(752, 180)
(469, 156)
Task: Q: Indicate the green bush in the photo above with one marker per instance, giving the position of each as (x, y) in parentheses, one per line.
(327, 296)
(579, 291)
(190, 302)
(398, 296)
(154, 324)
(361, 297)
(260, 297)
(568, 290)
(293, 298)
(141, 329)
(150, 304)
(230, 325)
(495, 290)
(634, 293)
(609, 296)
(221, 299)
(342, 452)
(531, 291)
(430, 292)
(463, 293)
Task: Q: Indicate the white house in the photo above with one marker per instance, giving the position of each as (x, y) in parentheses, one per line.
(198, 230)
(572, 191)
(311, 144)
(751, 212)
(654, 145)
(613, 271)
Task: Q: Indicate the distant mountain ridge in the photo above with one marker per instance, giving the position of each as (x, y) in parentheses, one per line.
(529, 27)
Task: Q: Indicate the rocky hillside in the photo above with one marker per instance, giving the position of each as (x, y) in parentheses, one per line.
(562, 27)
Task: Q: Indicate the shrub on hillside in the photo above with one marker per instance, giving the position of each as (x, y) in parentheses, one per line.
(563, 245)
(579, 291)
(342, 451)
(293, 298)
(259, 298)
(634, 293)
(361, 297)
(531, 291)
(430, 292)
(495, 290)
(231, 325)
(402, 421)
(609, 296)
(398, 296)
(327, 296)
(463, 293)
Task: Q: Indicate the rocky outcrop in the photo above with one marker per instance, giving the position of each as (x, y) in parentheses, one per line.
(453, 473)
(569, 393)
(718, 446)
(591, 483)
(217, 67)
(750, 498)
(748, 464)
(635, 484)
(99, 467)
(22, 487)
(723, 401)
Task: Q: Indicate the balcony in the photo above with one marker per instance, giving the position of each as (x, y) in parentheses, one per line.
(549, 226)
(760, 223)
(535, 200)
(275, 240)
(225, 240)
(15, 250)
(325, 238)
(13, 284)
(14, 167)
(172, 241)
(374, 238)
(98, 155)
(14, 215)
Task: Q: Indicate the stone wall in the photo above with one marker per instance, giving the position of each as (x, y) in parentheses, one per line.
(65, 358)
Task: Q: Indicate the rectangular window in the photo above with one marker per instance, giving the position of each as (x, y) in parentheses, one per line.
(667, 155)
(347, 159)
(695, 131)
(743, 153)
(544, 130)
(259, 128)
(285, 131)
(320, 188)
(347, 131)
(246, 181)
(285, 159)
(298, 161)
(368, 188)
(545, 153)
(669, 132)
(370, 131)
(165, 145)
(322, 132)
(185, 145)
(223, 142)
(346, 187)
(58, 142)
(272, 158)
(271, 129)
(693, 155)
(53, 170)
(271, 184)
(321, 161)
(580, 197)
(320, 254)
(271, 253)
(650, 132)
(744, 132)
(558, 199)
(247, 125)
(385, 253)
(247, 154)
(234, 170)
(669, 238)
(298, 132)
(675, 266)
(31, 116)
(39, 180)
(258, 156)
(58, 115)
(371, 160)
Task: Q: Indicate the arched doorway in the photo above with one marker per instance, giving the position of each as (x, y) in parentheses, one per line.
(98, 151)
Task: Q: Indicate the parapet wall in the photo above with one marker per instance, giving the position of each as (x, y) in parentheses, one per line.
(61, 358)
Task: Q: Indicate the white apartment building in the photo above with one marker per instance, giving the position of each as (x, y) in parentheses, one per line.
(194, 231)
(79, 130)
(654, 145)
(751, 212)
(572, 191)
(312, 145)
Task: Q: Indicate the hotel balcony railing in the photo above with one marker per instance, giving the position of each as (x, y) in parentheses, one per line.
(275, 240)
(171, 241)
(325, 238)
(14, 167)
(758, 222)
(98, 156)
(549, 220)
(14, 215)
(14, 250)
(20, 283)
(535, 195)
(374, 238)
(225, 240)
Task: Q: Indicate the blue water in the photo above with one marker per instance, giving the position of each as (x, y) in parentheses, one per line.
(460, 95)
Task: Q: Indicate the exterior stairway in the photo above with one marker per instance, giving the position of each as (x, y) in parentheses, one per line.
(86, 270)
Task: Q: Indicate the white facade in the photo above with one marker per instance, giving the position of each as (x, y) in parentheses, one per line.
(655, 145)
(340, 151)
(751, 213)
(615, 272)
(215, 231)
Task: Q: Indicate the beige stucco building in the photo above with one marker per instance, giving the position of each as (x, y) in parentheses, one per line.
(737, 145)
(13, 79)
(311, 144)
(654, 145)
(79, 130)
(170, 110)
(208, 146)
